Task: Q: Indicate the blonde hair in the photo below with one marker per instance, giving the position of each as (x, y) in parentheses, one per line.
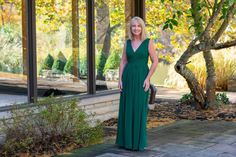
(141, 22)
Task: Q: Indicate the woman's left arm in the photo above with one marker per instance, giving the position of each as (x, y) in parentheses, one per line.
(154, 59)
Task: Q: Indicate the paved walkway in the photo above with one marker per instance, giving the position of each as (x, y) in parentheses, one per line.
(175, 94)
(183, 138)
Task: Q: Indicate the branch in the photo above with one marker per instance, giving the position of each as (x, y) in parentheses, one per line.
(209, 3)
(215, 5)
(224, 24)
(208, 6)
(213, 17)
(193, 42)
(203, 47)
(194, 49)
(198, 26)
(114, 27)
(190, 51)
(225, 45)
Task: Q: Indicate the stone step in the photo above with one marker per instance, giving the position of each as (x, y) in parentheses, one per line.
(104, 110)
(100, 105)
(103, 117)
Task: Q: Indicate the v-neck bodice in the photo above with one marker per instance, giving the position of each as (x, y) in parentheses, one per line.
(138, 46)
(140, 55)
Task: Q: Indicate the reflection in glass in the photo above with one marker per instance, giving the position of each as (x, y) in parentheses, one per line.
(13, 81)
(61, 47)
(110, 38)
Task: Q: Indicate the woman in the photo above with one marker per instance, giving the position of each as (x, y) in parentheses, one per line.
(134, 82)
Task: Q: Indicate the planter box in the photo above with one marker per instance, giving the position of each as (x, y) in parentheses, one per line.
(112, 75)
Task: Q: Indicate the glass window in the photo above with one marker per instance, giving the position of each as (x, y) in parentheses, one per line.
(13, 80)
(109, 42)
(61, 47)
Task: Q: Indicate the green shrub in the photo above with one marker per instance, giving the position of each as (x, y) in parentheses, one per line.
(69, 66)
(3, 67)
(50, 126)
(59, 63)
(113, 62)
(101, 64)
(222, 98)
(83, 67)
(48, 62)
(186, 97)
(11, 34)
(10, 37)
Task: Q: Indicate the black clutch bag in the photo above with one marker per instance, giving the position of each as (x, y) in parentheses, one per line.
(152, 94)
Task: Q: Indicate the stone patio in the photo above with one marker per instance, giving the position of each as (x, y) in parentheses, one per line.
(183, 138)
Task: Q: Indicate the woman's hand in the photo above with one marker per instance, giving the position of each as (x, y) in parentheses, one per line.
(120, 86)
(146, 85)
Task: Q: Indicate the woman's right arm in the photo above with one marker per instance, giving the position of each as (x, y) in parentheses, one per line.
(123, 63)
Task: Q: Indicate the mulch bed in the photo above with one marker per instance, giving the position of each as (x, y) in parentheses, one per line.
(166, 113)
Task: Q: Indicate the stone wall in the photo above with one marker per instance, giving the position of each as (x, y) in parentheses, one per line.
(104, 107)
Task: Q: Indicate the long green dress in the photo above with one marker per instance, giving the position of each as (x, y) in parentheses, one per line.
(132, 117)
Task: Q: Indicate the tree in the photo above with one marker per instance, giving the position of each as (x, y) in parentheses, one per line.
(48, 62)
(168, 42)
(105, 27)
(59, 63)
(75, 37)
(210, 20)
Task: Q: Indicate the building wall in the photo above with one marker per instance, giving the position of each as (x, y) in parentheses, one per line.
(104, 107)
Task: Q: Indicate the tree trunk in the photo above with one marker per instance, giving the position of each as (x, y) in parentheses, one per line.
(24, 36)
(103, 21)
(129, 12)
(107, 41)
(75, 38)
(192, 82)
(103, 35)
(104, 55)
(203, 100)
(2, 15)
(210, 80)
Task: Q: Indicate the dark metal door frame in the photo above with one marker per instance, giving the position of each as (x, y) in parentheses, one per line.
(31, 51)
(91, 81)
(139, 8)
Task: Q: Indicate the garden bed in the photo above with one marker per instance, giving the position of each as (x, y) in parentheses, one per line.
(166, 113)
